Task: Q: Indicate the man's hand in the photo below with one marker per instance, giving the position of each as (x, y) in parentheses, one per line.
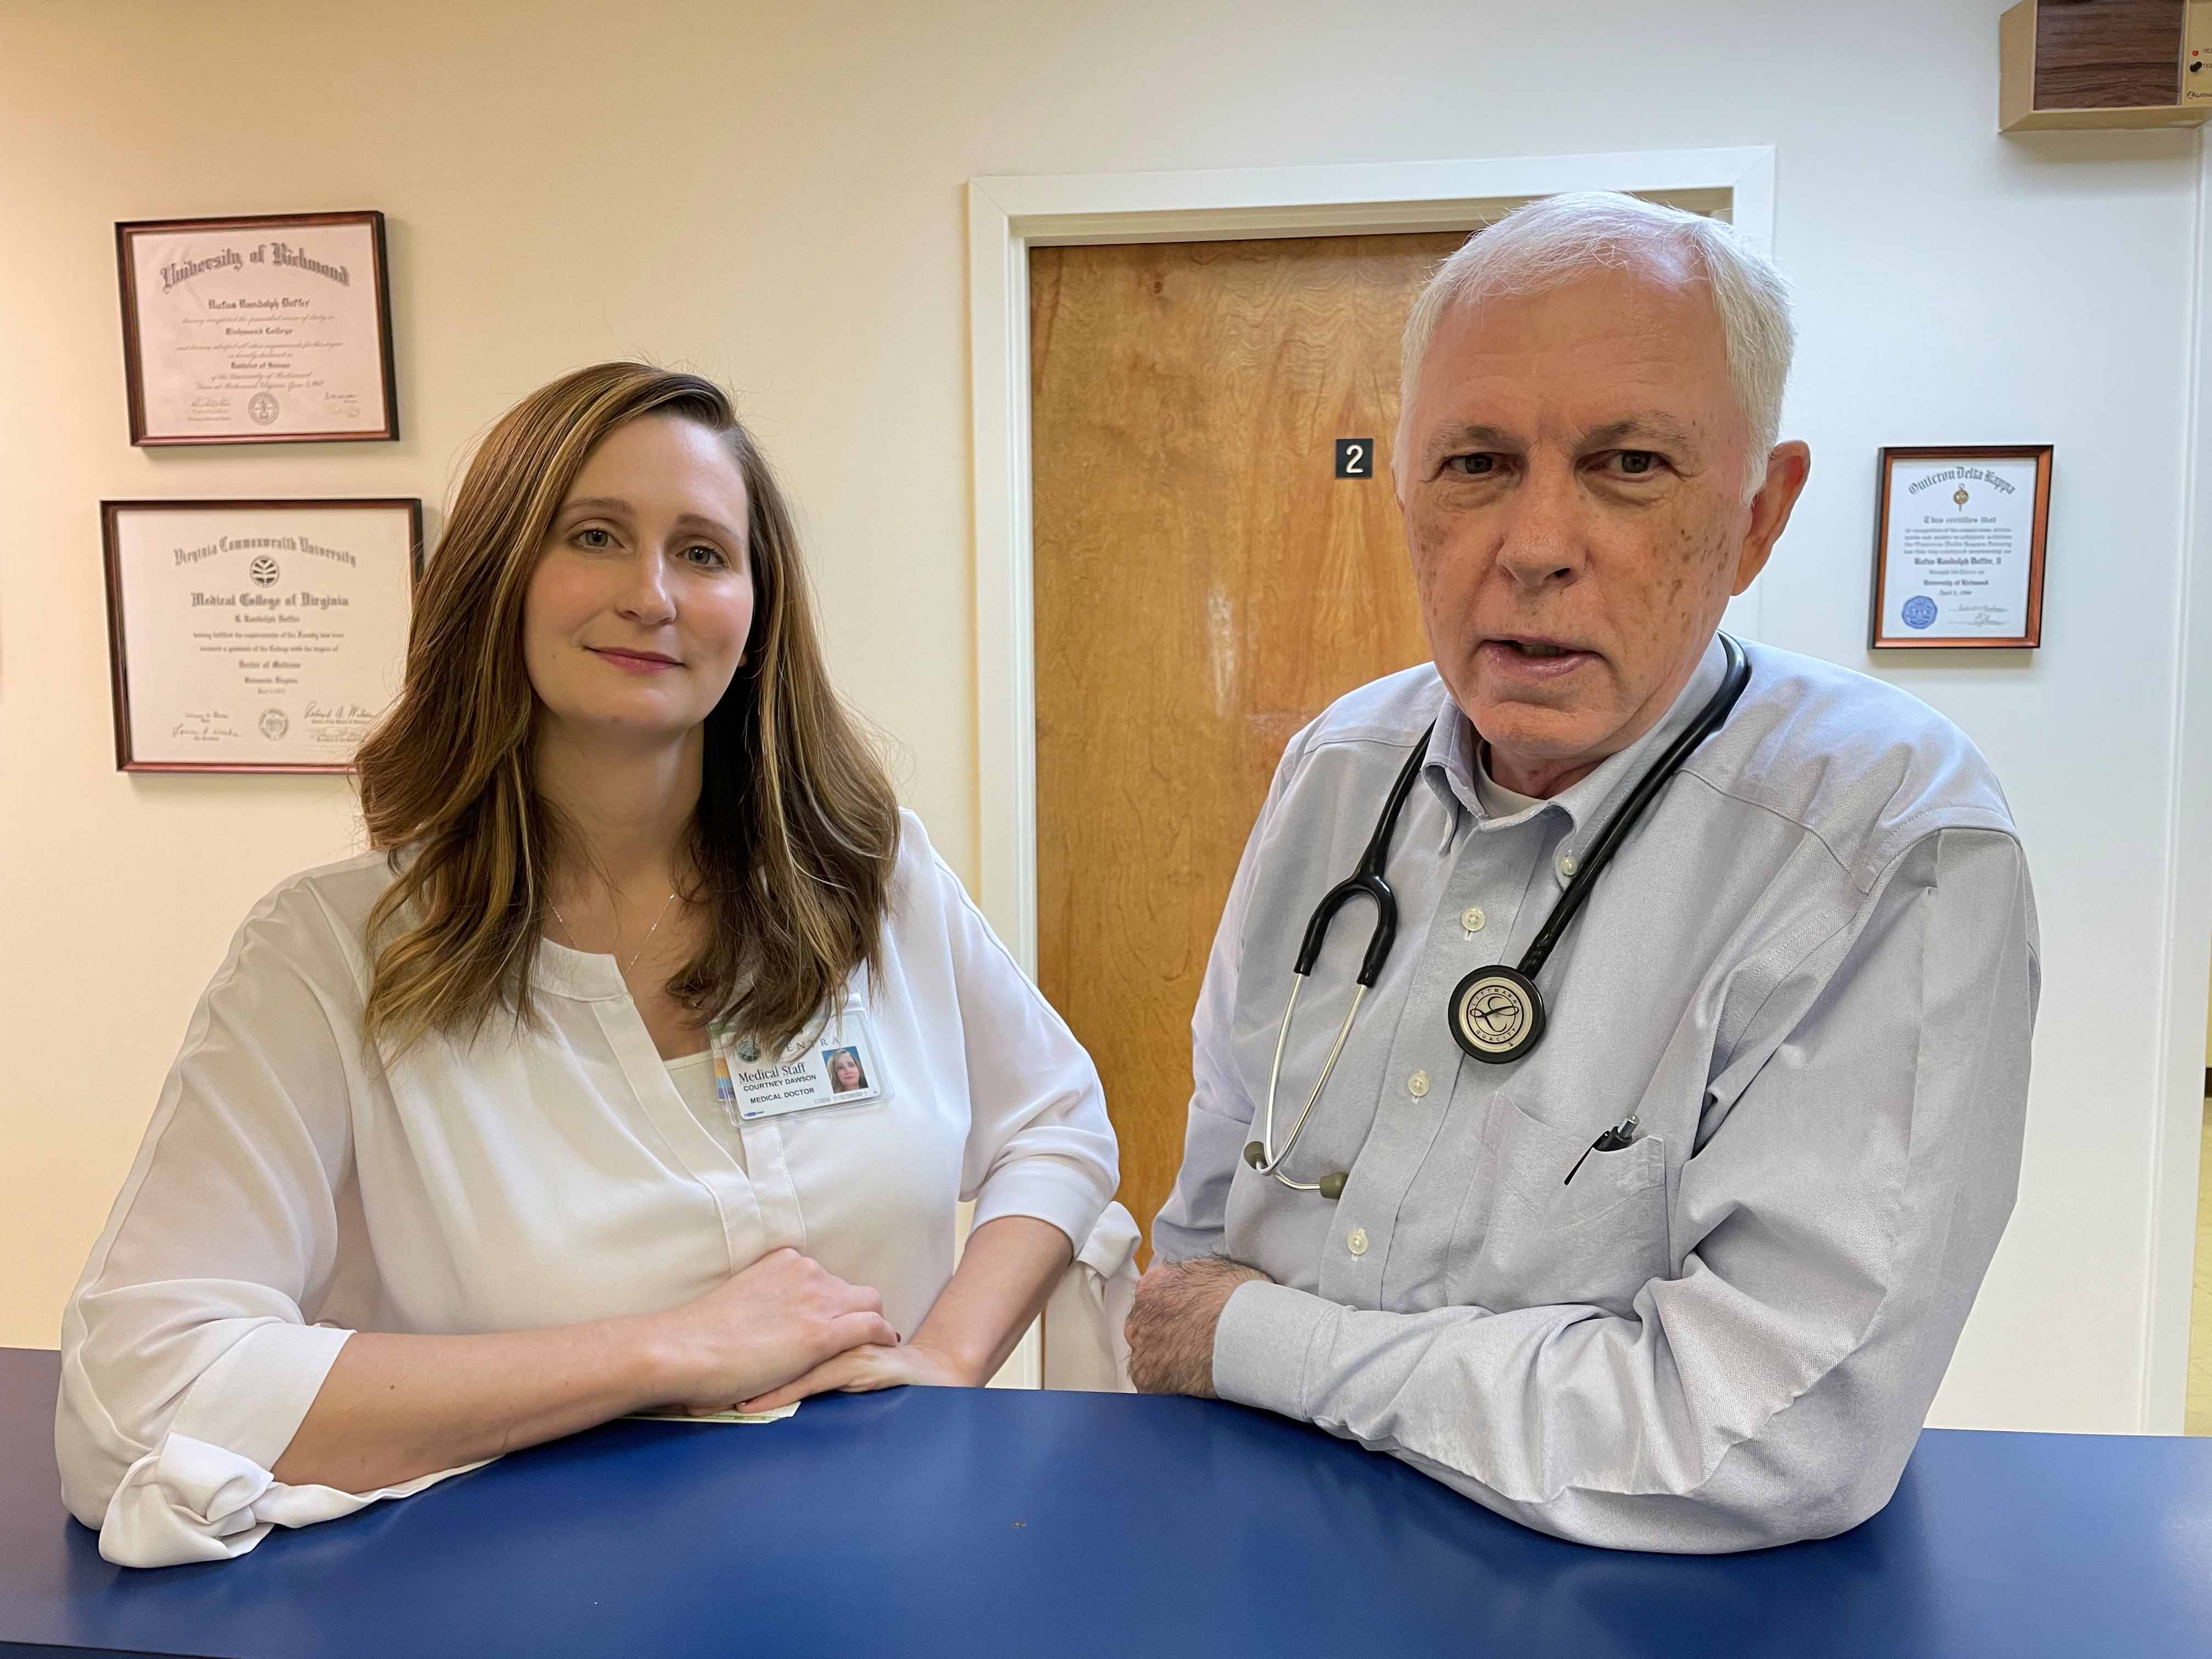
(1170, 1328)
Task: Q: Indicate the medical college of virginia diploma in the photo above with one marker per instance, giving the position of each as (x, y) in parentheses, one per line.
(257, 330)
(250, 636)
(1958, 560)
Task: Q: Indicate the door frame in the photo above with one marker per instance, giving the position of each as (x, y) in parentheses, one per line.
(2186, 882)
(1009, 215)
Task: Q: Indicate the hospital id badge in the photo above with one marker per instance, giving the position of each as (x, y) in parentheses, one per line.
(836, 1063)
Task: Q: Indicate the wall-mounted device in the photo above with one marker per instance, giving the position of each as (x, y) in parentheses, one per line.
(2105, 64)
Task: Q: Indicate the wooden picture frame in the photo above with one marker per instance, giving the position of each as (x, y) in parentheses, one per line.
(272, 328)
(1961, 567)
(244, 666)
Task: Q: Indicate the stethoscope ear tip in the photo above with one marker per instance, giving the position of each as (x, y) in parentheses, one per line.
(1255, 1153)
(1332, 1185)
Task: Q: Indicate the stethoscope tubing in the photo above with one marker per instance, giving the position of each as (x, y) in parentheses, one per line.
(1273, 1166)
(1367, 881)
(1616, 828)
(1364, 882)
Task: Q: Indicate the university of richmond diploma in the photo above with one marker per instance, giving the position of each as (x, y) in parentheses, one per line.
(257, 330)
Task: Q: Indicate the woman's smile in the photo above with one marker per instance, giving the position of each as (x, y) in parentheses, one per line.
(631, 661)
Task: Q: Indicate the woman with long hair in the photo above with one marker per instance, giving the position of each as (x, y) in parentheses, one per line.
(490, 1135)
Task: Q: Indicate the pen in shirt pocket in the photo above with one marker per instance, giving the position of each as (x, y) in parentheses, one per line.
(1622, 1134)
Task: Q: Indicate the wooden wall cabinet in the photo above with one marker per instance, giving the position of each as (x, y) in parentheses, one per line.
(2105, 64)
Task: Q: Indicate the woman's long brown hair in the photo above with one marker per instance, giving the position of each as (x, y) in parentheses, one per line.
(797, 828)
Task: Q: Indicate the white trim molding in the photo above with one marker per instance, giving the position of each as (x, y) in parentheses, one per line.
(2176, 1146)
(1008, 216)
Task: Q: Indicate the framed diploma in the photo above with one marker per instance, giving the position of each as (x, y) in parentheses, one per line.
(255, 637)
(260, 331)
(1958, 554)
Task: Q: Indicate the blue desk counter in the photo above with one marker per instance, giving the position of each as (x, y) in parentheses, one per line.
(976, 1522)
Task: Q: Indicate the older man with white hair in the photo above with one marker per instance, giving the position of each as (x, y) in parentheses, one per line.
(1655, 1099)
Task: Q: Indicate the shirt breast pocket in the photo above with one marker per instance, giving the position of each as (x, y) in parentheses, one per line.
(1543, 1240)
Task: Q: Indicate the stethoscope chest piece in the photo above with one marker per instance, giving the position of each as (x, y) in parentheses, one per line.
(1497, 1014)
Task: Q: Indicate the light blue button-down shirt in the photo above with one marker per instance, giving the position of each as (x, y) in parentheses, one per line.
(1810, 973)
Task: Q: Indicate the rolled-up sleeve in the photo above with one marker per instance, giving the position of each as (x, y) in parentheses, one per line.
(187, 1363)
(1830, 1230)
(1040, 1142)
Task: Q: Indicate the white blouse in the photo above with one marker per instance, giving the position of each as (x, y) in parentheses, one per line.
(294, 1187)
(693, 1078)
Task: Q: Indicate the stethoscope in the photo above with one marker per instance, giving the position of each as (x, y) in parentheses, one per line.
(1496, 1014)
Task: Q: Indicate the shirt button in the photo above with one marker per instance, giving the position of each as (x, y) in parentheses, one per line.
(1472, 918)
(1418, 1084)
(1568, 865)
(1356, 1241)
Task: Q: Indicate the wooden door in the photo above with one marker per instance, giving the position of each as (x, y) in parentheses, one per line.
(1204, 586)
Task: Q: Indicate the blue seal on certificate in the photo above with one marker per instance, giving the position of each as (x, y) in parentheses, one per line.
(1919, 611)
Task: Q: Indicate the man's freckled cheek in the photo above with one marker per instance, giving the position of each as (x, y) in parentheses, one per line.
(1425, 564)
(1420, 536)
(1429, 541)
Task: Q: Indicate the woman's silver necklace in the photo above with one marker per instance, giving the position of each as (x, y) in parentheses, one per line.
(641, 944)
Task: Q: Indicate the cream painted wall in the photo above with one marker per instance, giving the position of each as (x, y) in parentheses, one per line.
(773, 195)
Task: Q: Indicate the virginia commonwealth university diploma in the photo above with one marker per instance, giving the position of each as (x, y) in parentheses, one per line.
(256, 330)
(256, 636)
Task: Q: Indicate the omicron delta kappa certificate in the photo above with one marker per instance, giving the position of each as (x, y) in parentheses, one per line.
(1959, 554)
(256, 330)
(256, 636)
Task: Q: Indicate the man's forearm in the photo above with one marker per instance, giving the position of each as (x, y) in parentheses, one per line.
(1575, 1422)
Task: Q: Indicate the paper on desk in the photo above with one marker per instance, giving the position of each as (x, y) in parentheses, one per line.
(776, 1416)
